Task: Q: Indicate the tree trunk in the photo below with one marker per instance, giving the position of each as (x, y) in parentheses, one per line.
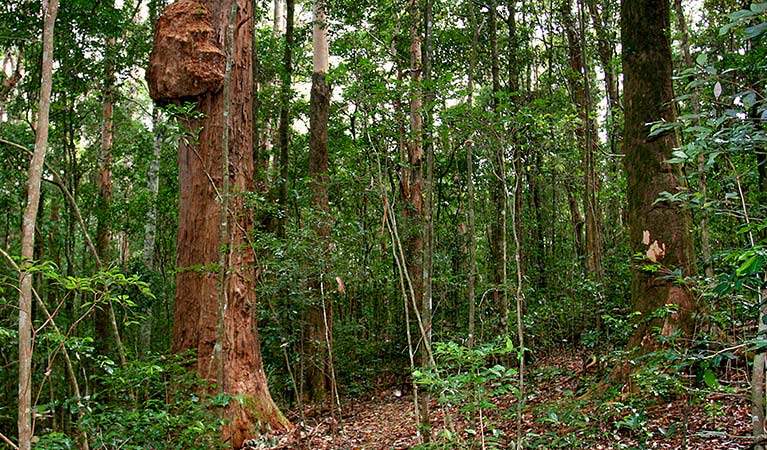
(577, 220)
(284, 130)
(277, 19)
(150, 227)
(153, 175)
(513, 46)
(498, 195)
(606, 52)
(103, 232)
(213, 314)
(319, 380)
(586, 132)
(533, 175)
(25, 430)
(153, 186)
(412, 183)
(472, 281)
(428, 203)
(660, 232)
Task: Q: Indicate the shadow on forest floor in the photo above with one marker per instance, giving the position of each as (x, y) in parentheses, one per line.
(557, 415)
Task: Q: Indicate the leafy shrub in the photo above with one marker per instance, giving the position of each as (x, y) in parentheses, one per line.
(156, 403)
(468, 379)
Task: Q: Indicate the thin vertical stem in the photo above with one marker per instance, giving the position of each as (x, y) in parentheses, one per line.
(26, 339)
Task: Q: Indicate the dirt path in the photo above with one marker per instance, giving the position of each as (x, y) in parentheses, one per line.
(555, 417)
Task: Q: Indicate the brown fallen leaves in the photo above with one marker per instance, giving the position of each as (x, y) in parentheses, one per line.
(553, 417)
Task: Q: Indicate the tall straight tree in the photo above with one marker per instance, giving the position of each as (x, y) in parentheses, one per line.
(50, 9)
(411, 185)
(284, 130)
(202, 50)
(319, 380)
(428, 201)
(472, 279)
(498, 187)
(586, 132)
(153, 174)
(659, 230)
(103, 229)
(153, 188)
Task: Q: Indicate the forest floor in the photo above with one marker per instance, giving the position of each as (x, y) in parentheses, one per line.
(561, 412)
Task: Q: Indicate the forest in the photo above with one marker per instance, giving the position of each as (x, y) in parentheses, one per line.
(430, 224)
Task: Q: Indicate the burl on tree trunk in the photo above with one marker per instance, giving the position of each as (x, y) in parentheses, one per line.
(188, 63)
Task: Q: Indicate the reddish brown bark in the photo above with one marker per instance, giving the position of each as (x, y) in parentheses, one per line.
(412, 188)
(660, 231)
(199, 237)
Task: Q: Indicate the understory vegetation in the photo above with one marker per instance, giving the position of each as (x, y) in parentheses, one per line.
(495, 311)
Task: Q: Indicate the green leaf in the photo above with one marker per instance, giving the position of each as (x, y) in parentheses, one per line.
(702, 59)
(710, 379)
(759, 7)
(726, 28)
(755, 31)
(740, 15)
(751, 265)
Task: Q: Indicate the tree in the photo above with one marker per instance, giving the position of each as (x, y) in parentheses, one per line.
(50, 9)
(587, 138)
(659, 230)
(320, 319)
(285, 115)
(103, 231)
(498, 189)
(412, 188)
(215, 299)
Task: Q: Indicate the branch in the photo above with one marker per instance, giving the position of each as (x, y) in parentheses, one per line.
(8, 441)
(72, 203)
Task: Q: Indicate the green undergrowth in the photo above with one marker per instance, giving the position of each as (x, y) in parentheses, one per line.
(153, 403)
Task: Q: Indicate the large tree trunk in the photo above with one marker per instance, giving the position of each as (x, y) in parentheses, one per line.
(319, 379)
(215, 297)
(28, 230)
(660, 231)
